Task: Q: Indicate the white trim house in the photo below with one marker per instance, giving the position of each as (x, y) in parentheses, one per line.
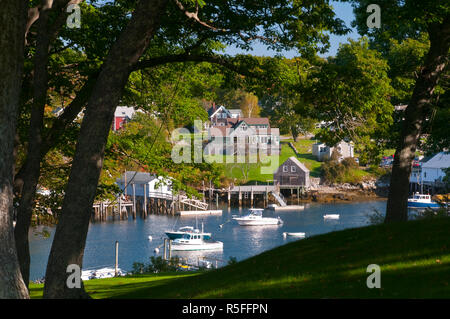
(153, 183)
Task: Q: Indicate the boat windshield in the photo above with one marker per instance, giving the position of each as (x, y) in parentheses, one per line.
(256, 212)
(186, 228)
(420, 196)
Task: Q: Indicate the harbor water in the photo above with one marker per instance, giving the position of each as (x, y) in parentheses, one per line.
(239, 242)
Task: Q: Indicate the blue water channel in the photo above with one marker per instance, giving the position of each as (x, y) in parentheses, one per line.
(239, 242)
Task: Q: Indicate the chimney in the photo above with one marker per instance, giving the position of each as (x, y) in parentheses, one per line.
(214, 106)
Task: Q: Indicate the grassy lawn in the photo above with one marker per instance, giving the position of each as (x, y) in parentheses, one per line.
(260, 172)
(414, 258)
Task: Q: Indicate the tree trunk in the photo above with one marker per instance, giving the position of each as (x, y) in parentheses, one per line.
(415, 115)
(32, 165)
(70, 236)
(12, 24)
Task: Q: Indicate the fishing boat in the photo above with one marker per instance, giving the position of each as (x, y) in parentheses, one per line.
(255, 218)
(422, 201)
(174, 234)
(195, 242)
(331, 216)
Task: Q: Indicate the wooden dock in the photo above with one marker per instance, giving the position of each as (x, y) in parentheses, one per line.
(154, 203)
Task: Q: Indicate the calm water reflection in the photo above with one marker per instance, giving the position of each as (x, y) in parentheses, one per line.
(239, 241)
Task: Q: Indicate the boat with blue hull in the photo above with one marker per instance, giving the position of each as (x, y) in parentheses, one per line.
(422, 201)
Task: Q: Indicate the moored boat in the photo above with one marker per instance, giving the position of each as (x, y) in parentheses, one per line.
(294, 234)
(331, 216)
(255, 218)
(174, 234)
(422, 201)
(195, 242)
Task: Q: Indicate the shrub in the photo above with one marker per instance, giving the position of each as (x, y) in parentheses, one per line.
(346, 171)
(156, 265)
(349, 162)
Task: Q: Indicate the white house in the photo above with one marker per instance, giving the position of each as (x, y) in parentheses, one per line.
(141, 180)
(431, 171)
(243, 136)
(323, 151)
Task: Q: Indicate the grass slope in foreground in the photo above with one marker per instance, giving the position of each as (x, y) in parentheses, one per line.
(414, 258)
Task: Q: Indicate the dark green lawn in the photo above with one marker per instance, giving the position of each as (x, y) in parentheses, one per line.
(414, 258)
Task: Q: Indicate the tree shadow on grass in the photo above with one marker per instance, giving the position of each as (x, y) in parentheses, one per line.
(406, 254)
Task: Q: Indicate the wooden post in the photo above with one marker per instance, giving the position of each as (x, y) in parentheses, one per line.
(229, 196)
(165, 249)
(117, 259)
(298, 195)
(170, 249)
(267, 195)
(134, 201)
(145, 200)
(217, 200)
(251, 196)
(240, 197)
(120, 206)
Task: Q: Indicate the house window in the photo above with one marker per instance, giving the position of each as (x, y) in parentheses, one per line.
(285, 168)
(293, 169)
(425, 174)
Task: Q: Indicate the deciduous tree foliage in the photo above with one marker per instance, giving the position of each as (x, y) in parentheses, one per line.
(403, 20)
(143, 34)
(351, 93)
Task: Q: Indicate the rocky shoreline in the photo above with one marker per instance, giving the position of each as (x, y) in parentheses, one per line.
(367, 190)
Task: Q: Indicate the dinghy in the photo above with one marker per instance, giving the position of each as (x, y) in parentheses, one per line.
(285, 234)
(331, 216)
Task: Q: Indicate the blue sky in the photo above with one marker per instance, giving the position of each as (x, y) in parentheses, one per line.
(343, 11)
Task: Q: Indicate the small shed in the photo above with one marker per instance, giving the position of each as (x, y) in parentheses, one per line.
(292, 172)
(153, 184)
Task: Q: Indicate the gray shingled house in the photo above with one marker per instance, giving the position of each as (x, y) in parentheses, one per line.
(292, 172)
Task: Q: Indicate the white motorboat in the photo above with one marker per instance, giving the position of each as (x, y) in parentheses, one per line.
(255, 218)
(195, 242)
(422, 201)
(331, 216)
(294, 234)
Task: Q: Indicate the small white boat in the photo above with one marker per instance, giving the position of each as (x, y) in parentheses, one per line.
(294, 234)
(195, 242)
(331, 216)
(255, 218)
(107, 272)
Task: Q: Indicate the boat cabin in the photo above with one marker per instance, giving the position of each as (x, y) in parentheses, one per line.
(257, 212)
(422, 197)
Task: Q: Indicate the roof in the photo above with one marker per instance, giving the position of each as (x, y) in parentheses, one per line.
(440, 160)
(139, 178)
(219, 130)
(255, 120)
(124, 111)
(213, 110)
(296, 162)
(236, 111)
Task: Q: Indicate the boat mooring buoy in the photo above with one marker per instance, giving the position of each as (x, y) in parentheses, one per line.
(156, 250)
(150, 238)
